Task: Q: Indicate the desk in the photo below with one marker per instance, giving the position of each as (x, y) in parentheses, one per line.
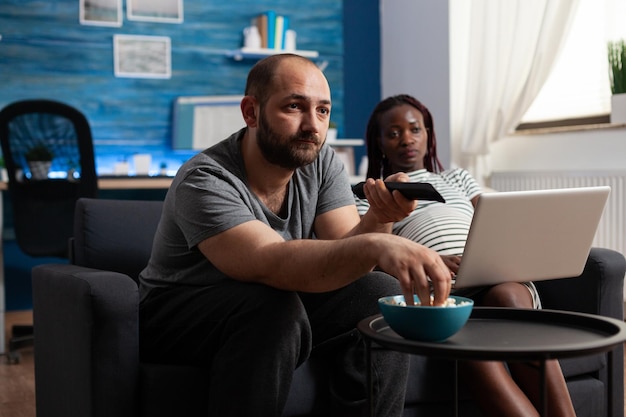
(104, 183)
(509, 334)
(123, 183)
(128, 183)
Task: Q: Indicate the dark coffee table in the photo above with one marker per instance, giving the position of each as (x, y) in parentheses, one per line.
(509, 334)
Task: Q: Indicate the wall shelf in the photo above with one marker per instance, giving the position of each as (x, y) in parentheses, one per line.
(346, 142)
(259, 53)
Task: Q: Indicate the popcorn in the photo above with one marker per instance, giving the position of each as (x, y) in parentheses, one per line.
(450, 302)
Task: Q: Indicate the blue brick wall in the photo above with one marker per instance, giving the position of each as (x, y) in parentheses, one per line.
(46, 53)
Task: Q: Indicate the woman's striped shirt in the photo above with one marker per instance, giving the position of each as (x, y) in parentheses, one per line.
(440, 226)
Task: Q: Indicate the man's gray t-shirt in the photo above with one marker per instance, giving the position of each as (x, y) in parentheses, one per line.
(210, 195)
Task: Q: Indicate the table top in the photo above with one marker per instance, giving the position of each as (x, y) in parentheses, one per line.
(510, 334)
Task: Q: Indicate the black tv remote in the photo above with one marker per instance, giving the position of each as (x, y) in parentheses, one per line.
(411, 190)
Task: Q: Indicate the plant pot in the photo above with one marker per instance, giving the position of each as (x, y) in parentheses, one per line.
(39, 169)
(618, 108)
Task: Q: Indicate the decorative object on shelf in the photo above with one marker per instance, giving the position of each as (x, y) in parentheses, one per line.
(268, 34)
(290, 40)
(121, 168)
(331, 134)
(39, 158)
(617, 75)
(272, 29)
(141, 163)
(251, 37)
(73, 170)
(4, 176)
(344, 149)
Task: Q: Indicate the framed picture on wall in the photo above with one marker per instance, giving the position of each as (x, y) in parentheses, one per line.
(100, 12)
(166, 11)
(137, 56)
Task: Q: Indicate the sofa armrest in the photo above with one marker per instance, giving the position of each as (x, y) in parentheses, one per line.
(598, 290)
(86, 342)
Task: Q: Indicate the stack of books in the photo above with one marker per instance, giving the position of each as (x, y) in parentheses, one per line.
(272, 28)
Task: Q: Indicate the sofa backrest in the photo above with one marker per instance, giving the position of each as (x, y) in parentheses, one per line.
(114, 235)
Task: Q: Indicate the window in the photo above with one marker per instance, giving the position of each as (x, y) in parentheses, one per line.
(578, 87)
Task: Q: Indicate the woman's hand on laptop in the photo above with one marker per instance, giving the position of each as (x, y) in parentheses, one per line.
(452, 262)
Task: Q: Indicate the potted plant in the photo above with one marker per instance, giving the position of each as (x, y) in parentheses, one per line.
(4, 176)
(617, 76)
(39, 158)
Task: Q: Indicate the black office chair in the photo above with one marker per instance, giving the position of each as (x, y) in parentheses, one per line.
(43, 199)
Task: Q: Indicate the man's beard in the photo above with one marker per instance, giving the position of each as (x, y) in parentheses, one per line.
(288, 152)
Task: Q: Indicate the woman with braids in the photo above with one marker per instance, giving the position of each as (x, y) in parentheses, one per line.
(400, 138)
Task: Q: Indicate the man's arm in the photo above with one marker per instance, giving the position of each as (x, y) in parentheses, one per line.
(253, 252)
(385, 209)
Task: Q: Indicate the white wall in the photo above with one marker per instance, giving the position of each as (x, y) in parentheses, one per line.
(600, 150)
(586, 150)
(415, 59)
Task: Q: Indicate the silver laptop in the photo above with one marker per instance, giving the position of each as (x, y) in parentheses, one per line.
(531, 235)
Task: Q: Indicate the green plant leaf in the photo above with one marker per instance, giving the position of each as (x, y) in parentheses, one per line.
(39, 152)
(617, 73)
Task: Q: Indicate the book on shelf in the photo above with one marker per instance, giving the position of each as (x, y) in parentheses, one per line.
(281, 26)
(272, 28)
(261, 24)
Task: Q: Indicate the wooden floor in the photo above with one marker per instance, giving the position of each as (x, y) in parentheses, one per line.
(17, 382)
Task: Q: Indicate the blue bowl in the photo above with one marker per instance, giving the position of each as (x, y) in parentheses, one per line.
(425, 323)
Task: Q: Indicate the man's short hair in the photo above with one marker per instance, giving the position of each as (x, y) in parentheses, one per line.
(261, 76)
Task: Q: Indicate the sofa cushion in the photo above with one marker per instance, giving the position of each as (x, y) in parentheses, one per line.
(115, 235)
(172, 390)
(431, 380)
(309, 390)
(588, 396)
(583, 365)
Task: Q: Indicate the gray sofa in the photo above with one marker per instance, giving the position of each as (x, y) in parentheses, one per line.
(86, 339)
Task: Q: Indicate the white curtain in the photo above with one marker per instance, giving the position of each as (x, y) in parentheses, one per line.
(501, 53)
